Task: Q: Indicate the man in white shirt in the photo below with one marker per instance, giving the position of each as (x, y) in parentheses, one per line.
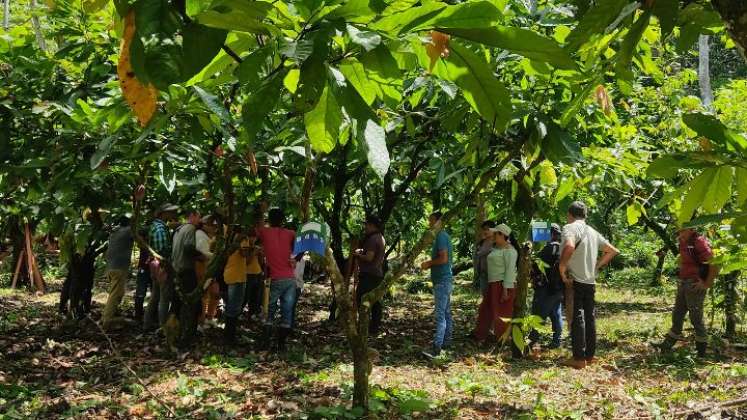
(579, 265)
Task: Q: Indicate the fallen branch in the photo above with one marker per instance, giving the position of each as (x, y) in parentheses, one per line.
(117, 355)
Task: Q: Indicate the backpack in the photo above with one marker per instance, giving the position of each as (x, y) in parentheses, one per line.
(554, 281)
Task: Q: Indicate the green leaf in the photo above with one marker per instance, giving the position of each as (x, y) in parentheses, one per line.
(634, 212)
(473, 14)
(200, 45)
(253, 65)
(521, 41)
(414, 405)
(565, 188)
(741, 180)
(397, 23)
(376, 150)
(558, 146)
(710, 127)
(355, 11)
(482, 90)
(518, 337)
(381, 69)
(547, 174)
(102, 151)
(696, 193)
(366, 39)
(572, 111)
(667, 11)
(242, 16)
(260, 104)
(355, 73)
(323, 122)
(298, 50)
(628, 47)
(719, 191)
(666, 167)
(195, 7)
(213, 104)
(290, 81)
(595, 21)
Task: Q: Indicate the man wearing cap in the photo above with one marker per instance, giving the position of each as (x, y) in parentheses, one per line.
(579, 266)
(187, 297)
(118, 258)
(371, 268)
(548, 288)
(443, 285)
(696, 276)
(162, 291)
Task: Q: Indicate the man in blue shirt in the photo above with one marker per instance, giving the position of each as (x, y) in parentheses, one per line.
(441, 277)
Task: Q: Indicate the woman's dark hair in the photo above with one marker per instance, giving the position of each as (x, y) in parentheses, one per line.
(373, 219)
(437, 215)
(277, 217)
(488, 224)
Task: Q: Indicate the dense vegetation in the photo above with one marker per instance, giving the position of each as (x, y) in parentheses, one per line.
(493, 109)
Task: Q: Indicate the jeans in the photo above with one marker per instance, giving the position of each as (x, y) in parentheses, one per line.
(442, 313)
(283, 290)
(689, 300)
(547, 304)
(254, 290)
(117, 284)
(583, 329)
(159, 304)
(235, 301)
(366, 283)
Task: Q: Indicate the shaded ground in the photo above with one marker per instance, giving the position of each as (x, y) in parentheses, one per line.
(48, 370)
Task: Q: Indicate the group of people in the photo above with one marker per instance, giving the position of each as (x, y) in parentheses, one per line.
(261, 271)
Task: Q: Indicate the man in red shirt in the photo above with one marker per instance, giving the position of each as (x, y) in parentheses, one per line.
(277, 243)
(696, 275)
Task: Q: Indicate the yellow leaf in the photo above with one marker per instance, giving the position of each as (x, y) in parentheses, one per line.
(141, 97)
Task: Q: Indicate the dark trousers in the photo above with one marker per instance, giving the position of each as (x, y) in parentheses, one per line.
(583, 328)
(255, 287)
(141, 290)
(366, 283)
(547, 304)
(188, 310)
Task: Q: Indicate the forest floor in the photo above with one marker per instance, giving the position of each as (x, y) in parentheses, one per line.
(48, 370)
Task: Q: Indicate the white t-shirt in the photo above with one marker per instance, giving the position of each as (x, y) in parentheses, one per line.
(202, 243)
(588, 242)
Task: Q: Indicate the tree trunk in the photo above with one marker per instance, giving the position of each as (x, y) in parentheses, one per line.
(6, 14)
(522, 280)
(731, 296)
(734, 15)
(704, 72)
(37, 27)
(659, 271)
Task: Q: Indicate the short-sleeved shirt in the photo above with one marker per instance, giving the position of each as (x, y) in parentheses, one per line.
(701, 249)
(236, 267)
(442, 272)
(184, 250)
(588, 242)
(374, 243)
(119, 252)
(278, 245)
(159, 238)
(502, 266)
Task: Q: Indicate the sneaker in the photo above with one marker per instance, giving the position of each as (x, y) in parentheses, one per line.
(575, 363)
(431, 354)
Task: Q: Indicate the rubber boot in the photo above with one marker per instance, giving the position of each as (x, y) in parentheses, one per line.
(139, 313)
(701, 347)
(229, 332)
(283, 333)
(266, 339)
(666, 345)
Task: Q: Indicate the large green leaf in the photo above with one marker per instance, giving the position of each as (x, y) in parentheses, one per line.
(376, 150)
(382, 70)
(467, 15)
(521, 41)
(558, 146)
(573, 108)
(741, 180)
(710, 127)
(696, 194)
(252, 67)
(397, 23)
(102, 151)
(667, 11)
(243, 16)
(595, 21)
(213, 104)
(481, 88)
(323, 122)
(666, 166)
(366, 39)
(719, 191)
(634, 212)
(355, 11)
(200, 45)
(260, 104)
(355, 73)
(166, 174)
(627, 49)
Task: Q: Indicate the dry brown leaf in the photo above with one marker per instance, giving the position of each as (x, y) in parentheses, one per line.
(603, 99)
(141, 97)
(437, 48)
